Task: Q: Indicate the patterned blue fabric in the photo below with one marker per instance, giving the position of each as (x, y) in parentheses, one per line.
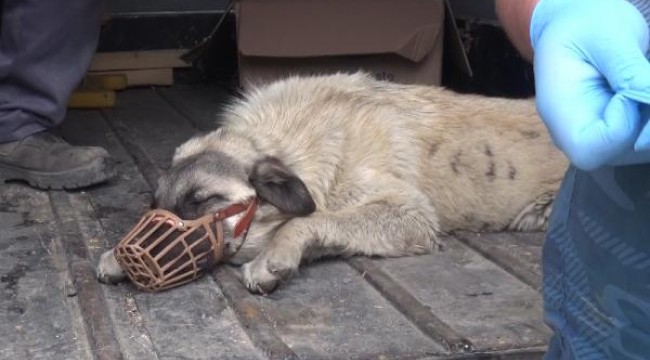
(597, 265)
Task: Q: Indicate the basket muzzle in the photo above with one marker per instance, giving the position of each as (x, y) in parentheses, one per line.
(164, 251)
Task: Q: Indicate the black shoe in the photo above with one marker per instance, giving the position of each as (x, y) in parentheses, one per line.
(46, 161)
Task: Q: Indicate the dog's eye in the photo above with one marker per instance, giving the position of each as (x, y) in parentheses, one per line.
(215, 198)
(211, 198)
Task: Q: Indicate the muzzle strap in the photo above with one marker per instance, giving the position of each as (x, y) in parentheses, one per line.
(244, 223)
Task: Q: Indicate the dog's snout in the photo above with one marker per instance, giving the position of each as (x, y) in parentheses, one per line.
(109, 270)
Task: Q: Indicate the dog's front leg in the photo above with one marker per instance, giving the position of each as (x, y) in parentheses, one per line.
(281, 256)
(378, 229)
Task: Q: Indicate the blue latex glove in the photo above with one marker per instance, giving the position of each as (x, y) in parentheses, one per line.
(590, 75)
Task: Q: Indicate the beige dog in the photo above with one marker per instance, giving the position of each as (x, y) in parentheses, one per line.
(348, 165)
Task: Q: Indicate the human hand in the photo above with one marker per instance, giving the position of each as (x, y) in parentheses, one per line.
(590, 74)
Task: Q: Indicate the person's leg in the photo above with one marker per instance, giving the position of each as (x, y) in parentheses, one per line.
(45, 49)
(596, 265)
(553, 268)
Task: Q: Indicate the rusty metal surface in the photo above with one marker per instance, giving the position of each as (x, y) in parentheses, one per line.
(478, 299)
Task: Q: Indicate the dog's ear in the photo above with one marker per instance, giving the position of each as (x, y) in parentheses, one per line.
(277, 184)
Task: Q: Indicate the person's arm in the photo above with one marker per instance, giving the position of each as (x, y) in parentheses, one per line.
(515, 16)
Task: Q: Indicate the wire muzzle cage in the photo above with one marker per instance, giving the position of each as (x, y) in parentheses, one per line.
(163, 251)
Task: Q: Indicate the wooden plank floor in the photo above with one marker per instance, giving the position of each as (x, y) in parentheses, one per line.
(477, 299)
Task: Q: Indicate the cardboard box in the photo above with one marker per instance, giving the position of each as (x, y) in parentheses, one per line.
(396, 40)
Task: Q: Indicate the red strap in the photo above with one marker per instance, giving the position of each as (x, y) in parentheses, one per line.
(231, 210)
(245, 222)
(250, 207)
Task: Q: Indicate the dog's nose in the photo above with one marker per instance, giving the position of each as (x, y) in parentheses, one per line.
(109, 270)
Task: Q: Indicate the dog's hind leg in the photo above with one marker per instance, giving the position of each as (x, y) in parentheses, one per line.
(386, 228)
(534, 217)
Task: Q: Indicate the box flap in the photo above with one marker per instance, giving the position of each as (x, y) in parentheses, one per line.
(309, 28)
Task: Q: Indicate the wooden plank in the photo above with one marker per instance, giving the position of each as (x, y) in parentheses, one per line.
(330, 312)
(149, 126)
(512, 354)
(146, 59)
(88, 291)
(411, 307)
(248, 312)
(91, 99)
(200, 105)
(125, 316)
(194, 322)
(475, 297)
(518, 253)
(39, 309)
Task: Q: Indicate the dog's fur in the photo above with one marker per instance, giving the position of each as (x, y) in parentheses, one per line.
(348, 165)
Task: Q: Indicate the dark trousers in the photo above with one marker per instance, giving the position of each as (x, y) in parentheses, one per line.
(45, 49)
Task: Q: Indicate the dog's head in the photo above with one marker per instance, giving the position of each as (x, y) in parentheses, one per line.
(210, 179)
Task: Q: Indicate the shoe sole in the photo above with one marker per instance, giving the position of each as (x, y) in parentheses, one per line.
(96, 172)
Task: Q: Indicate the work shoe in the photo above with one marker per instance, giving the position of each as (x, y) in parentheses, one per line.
(46, 161)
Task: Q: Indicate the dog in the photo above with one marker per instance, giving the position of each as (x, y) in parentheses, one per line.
(348, 165)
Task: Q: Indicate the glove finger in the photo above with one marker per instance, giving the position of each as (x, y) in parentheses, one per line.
(615, 133)
(621, 123)
(627, 73)
(619, 53)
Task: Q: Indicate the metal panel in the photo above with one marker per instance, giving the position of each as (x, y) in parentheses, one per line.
(155, 7)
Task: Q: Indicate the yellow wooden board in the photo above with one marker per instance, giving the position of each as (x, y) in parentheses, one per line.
(92, 99)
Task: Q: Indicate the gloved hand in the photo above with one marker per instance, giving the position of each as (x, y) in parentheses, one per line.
(590, 76)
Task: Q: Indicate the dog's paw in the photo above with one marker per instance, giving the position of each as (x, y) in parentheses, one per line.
(534, 217)
(263, 274)
(109, 270)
